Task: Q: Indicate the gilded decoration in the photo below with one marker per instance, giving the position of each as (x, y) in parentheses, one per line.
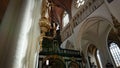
(44, 27)
(44, 23)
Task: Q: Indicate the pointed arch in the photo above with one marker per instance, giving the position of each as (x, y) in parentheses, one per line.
(93, 28)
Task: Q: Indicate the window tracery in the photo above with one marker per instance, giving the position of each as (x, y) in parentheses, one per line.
(115, 52)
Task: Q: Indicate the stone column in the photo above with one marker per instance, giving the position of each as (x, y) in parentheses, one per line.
(13, 33)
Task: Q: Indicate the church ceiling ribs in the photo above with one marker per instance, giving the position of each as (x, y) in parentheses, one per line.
(58, 8)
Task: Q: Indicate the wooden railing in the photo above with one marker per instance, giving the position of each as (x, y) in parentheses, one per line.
(56, 50)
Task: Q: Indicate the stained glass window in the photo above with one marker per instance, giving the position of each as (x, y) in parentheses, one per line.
(115, 51)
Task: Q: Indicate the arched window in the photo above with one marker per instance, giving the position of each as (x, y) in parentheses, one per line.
(115, 52)
(65, 19)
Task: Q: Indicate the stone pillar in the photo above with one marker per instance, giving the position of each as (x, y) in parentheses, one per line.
(104, 52)
(13, 33)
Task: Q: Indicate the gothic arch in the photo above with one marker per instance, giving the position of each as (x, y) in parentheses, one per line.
(92, 29)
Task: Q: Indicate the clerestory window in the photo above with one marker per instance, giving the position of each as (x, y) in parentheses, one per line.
(115, 52)
(65, 19)
(79, 3)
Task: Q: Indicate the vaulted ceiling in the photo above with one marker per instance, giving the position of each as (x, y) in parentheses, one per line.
(3, 7)
(57, 10)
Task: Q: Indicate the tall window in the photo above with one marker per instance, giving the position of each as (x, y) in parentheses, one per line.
(65, 19)
(115, 51)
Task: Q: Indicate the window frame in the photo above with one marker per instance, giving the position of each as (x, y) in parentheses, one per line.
(109, 45)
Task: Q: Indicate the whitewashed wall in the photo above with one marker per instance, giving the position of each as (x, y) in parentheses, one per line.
(19, 33)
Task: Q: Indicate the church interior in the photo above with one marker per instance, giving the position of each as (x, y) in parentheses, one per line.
(59, 34)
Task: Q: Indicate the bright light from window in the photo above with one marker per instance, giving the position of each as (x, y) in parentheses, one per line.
(115, 51)
(47, 62)
(78, 3)
(65, 19)
(58, 27)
